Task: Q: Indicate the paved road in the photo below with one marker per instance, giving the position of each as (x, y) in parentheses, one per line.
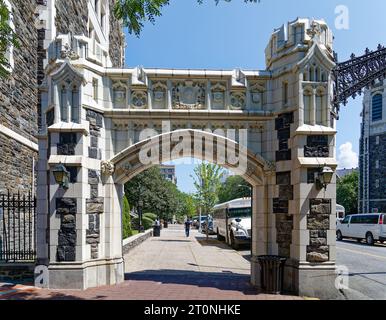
(367, 269)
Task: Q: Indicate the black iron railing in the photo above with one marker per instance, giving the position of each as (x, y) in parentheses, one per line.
(17, 228)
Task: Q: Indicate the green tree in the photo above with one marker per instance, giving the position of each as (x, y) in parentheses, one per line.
(126, 219)
(7, 39)
(159, 195)
(347, 192)
(207, 182)
(134, 13)
(234, 187)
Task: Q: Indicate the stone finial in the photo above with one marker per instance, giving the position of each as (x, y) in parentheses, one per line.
(107, 168)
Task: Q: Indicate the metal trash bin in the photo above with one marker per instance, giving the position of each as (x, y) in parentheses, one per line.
(156, 231)
(272, 273)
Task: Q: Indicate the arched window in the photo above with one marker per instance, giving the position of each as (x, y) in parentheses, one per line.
(377, 107)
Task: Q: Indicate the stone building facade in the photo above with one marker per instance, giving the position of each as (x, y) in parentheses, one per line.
(37, 23)
(98, 121)
(372, 160)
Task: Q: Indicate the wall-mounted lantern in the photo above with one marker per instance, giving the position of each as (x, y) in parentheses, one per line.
(324, 177)
(62, 176)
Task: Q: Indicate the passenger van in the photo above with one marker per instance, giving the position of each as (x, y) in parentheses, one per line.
(371, 227)
(232, 222)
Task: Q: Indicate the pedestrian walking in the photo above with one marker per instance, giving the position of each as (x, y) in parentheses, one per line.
(188, 223)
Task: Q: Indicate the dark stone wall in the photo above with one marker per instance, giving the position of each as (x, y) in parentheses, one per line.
(66, 208)
(377, 153)
(96, 123)
(15, 166)
(71, 16)
(284, 221)
(318, 222)
(18, 94)
(117, 41)
(283, 128)
(94, 208)
(317, 147)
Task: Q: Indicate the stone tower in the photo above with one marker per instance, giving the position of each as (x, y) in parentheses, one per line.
(372, 162)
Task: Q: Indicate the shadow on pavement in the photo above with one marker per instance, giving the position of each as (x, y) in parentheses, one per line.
(217, 280)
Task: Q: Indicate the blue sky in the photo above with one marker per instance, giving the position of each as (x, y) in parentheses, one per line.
(234, 35)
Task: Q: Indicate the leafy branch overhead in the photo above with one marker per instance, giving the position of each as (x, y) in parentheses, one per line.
(134, 13)
(7, 39)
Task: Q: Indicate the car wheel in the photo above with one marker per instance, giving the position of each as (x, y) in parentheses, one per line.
(234, 244)
(339, 236)
(369, 239)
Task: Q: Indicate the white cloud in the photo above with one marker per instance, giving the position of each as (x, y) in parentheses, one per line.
(347, 158)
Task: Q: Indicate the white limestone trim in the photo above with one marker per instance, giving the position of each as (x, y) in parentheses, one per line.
(78, 161)
(84, 265)
(314, 130)
(69, 127)
(19, 138)
(317, 162)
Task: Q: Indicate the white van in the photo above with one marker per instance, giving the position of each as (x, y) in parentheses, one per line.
(371, 227)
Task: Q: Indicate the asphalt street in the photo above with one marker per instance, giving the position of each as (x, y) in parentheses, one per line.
(366, 268)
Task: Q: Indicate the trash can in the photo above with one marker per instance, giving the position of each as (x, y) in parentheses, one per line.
(156, 231)
(272, 273)
(166, 225)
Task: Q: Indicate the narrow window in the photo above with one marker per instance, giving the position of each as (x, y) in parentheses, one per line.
(95, 89)
(63, 104)
(285, 93)
(377, 140)
(377, 107)
(377, 164)
(75, 105)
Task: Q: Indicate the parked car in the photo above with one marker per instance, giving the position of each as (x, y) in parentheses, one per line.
(210, 229)
(196, 222)
(371, 227)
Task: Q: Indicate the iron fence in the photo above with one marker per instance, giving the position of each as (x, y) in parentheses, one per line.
(17, 228)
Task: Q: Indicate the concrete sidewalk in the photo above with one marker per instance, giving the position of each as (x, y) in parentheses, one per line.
(174, 267)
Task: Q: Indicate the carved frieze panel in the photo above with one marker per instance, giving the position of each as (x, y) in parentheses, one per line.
(189, 95)
(237, 101)
(139, 99)
(218, 96)
(159, 91)
(120, 95)
(256, 92)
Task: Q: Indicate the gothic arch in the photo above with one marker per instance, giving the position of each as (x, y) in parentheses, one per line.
(127, 163)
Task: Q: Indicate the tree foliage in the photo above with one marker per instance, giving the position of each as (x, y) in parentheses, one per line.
(347, 192)
(134, 13)
(7, 39)
(207, 181)
(160, 196)
(234, 187)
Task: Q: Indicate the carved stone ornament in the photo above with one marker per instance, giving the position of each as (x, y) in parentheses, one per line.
(237, 101)
(139, 99)
(189, 96)
(107, 168)
(68, 53)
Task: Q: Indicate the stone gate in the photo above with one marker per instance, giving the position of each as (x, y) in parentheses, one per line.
(98, 120)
